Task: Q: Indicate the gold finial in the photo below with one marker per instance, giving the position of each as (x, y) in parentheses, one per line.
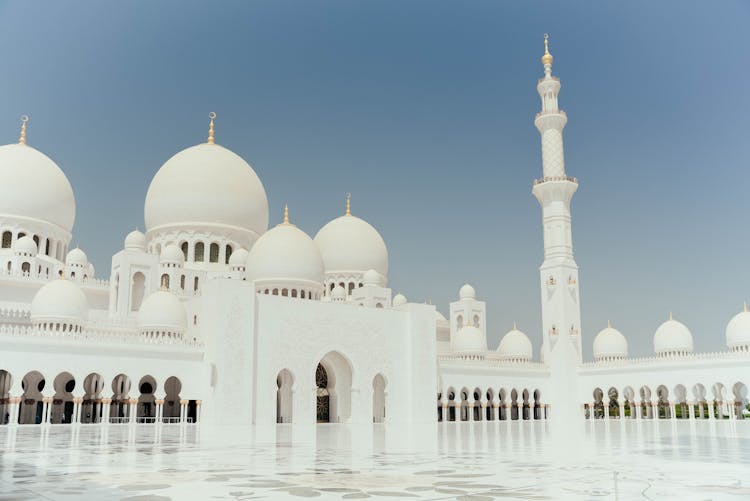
(745, 306)
(212, 116)
(286, 217)
(515, 328)
(22, 139)
(348, 204)
(670, 314)
(547, 57)
(609, 324)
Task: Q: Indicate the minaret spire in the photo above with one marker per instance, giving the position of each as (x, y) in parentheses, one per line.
(22, 138)
(348, 204)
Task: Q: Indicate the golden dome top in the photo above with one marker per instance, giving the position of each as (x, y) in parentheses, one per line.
(547, 57)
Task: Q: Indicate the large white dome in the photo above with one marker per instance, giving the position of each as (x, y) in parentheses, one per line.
(673, 337)
(610, 344)
(285, 253)
(60, 301)
(469, 339)
(351, 244)
(162, 311)
(515, 345)
(33, 186)
(206, 184)
(738, 330)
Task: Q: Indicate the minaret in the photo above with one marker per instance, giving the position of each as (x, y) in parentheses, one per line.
(561, 312)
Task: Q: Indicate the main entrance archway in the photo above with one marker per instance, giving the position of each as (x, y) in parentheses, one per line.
(333, 389)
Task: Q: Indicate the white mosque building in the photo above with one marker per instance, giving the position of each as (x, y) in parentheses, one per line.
(212, 316)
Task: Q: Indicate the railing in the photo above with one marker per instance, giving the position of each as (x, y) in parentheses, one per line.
(488, 359)
(103, 336)
(34, 276)
(555, 178)
(656, 360)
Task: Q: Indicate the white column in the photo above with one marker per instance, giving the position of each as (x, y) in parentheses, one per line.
(198, 405)
(606, 410)
(106, 403)
(691, 410)
(132, 410)
(673, 410)
(711, 415)
(15, 406)
(183, 411)
(47, 410)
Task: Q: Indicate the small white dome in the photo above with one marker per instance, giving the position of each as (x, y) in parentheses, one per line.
(206, 184)
(25, 246)
(610, 344)
(673, 337)
(399, 300)
(171, 254)
(33, 186)
(162, 311)
(135, 241)
(77, 257)
(238, 258)
(285, 253)
(338, 293)
(372, 277)
(515, 345)
(467, 292)
(738, 330)
(60, 301)
(469, 339)
(350, 244)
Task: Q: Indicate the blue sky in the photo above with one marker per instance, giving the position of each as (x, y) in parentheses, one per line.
(424, 111)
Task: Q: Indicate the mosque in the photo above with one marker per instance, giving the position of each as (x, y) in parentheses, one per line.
(212, 316)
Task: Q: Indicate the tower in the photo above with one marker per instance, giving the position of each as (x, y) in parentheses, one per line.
(561, 312)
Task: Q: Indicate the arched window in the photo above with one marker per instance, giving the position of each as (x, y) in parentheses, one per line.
(182, 282)
(138, 288)
(285, 292)
(459, 322)
(275, 292)
(165, 280)
(476, 320)
(351, 287)
(25, 267)
(199, 252)
(7, 238)
(294, 292)
(46, 247)
(22, 234)
(228, 252)
(184, 247)
(195, 319)
(195, 284)
(36, 241)
(213, 255)
(302, 294)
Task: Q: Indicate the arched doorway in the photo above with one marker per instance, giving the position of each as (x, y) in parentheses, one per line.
(91, 410)
(171, 408)
(32, 406)
(284, 396)
(62, 403)
(333, 381)
(119, 408)
(6, 381)
(146, 401)
(378, 399)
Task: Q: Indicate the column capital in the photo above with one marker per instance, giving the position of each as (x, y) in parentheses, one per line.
(198, 402)
(184, 402)
(106, 401)
(159, 401)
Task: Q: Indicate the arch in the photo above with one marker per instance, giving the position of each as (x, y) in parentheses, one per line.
(62, 407)
(464, 409)
(165, 280)
(502, 408)
(172, 388)
(195, 284)
(526, 405)
(6, 382)
(227, 253)
(720, 399)
(459, 322)
(213, 253)
(598, 395)
(680, 402)
(538, 412)
(451, 394)
(184, 248)
(7, 239)
(476, 320)
(701, 404)
(378, 398)
(662, 396)
(477, 409)
(284, 396)
(334, 381)
(646, 407)
(91, 407)
(137, 291)
(119, 408)
(613, 403)
(31, 407)
(146, 400)
(490, 410)
(514, 404)
(199, 256)
(628, 395)
(739, 390)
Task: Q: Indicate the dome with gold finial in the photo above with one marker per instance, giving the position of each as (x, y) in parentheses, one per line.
(350, 245)
(547, 57)
(33, 189)
(207, 185)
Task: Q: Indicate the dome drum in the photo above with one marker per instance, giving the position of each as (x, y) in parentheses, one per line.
(202, 246)
(301, 289)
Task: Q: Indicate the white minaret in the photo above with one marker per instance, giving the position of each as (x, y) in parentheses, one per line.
(561, 311)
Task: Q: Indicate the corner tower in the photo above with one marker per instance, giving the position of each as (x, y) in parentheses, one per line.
(561, 311)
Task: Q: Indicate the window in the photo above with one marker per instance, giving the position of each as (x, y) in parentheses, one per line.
(25, 267)
(459, 322)
(195, 284)
(214, 253)
(198, 252)
(137, 290)
(182, 282)
(228, 252)
(184, 247)
(46, 247)
(36, 241)
(165, 280)
(7, 237)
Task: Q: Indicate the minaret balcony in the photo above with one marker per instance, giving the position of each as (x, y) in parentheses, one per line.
(555, 178)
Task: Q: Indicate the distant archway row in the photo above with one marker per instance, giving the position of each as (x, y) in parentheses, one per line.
(69, 401)
(489, 405)
(715, 402)
(332, 393)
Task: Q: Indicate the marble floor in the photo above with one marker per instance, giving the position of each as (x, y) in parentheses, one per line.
(459, 461)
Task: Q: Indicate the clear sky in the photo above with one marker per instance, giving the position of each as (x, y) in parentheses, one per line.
(423, 110)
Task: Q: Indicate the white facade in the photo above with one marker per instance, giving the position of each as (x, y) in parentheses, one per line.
(211, 316)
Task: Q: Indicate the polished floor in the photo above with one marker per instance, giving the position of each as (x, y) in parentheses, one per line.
(468, 461)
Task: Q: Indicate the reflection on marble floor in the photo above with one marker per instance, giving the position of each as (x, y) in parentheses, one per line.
(466, 461)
